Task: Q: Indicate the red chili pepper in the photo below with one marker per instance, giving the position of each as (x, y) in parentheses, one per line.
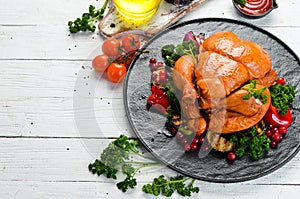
(158, 99)
(273, 117)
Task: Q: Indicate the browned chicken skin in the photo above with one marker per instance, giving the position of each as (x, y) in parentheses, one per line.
(225, 64)
(251, 55)
(183, 76)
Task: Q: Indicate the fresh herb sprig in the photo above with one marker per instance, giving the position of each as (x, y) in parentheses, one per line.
(87, 20)
(116, 157)
(282, 97)
(174, 107)
(242, 2)
(172, 53)
(250, 140)
(254, 92)
(166, 187)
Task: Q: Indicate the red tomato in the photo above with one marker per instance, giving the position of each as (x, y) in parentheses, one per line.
(126, 59)
(131, 42)
(112, 47)
(116, 72)
(100, 63)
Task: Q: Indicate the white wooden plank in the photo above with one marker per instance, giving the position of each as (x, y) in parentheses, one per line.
(66, 160)
(96, 190)
(37, 12)
(53, 42)
(57, 117)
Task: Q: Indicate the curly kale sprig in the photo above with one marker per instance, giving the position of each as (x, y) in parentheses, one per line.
(250, 140)
(116, 157)
(167, 187)
(87, 20)
(282, 97)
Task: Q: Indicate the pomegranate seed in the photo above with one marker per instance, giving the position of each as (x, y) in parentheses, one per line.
(276, 137)
(281, 80)
(268, 133)
(273, 144)
(282, 130)
(162, 73)
(153, 66)
(162, 78)
(154, 75)
(194, 146)
(160, 64)
(152, 60)
(231, 156)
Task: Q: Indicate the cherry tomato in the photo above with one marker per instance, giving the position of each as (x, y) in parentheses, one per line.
(131, 42)
(116, 72)
(112, 47)
(100, 63)
(281, 80)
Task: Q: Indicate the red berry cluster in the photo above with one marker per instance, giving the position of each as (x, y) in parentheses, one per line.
(193, 145)
(159, 73)
(276, 134)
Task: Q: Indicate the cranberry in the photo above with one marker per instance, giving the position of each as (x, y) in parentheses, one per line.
(273, 144)
(162, 73)
(152, 60)
(201, 139)
(275, 130)
(270, 126)
(187, 147)
(195, 140)
(268, 133)
(231, 156)
(282, 130)
(281, 80)
(276, 137)
(194, 146)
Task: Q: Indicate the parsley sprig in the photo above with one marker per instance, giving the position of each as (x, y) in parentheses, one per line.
(116, 157)
(254, 92)
(166, 187)
(87, 20)
(252, 141)
(282, 97)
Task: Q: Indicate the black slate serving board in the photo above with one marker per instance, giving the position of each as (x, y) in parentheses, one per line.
(148, 125)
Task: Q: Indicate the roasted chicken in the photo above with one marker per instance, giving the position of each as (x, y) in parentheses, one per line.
(214, 84)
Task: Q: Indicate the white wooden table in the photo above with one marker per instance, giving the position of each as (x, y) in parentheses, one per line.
(42, 152)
